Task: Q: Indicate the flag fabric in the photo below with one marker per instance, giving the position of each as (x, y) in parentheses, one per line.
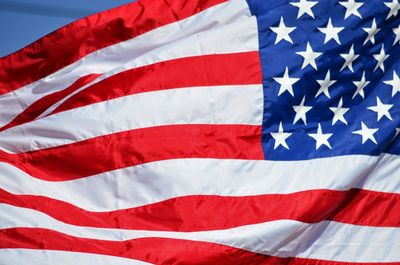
(205, 132)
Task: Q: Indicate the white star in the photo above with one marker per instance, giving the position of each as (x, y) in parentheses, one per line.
(304, 7)
(381, 109)
(286, 82)
(397, 132)
(372, 31)
(309, 57)
(301, 111)
(395, 83)
(280, 137)
(282, 32)
(321, 138)
(350, 58)
(360, 86)
(325, 84)
(331, 32)
(396, 32)
(394, 8)
(366, 133)
(339, 113)
(351, 8)
(380, 58)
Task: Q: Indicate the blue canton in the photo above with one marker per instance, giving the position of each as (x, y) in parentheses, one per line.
(331, 75)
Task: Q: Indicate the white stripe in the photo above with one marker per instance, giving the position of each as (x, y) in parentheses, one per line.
(225, 28)
(158, 181)
(54, 257)
(284, 238)
(200, 105)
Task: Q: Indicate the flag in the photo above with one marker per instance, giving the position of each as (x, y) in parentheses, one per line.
(205, 132)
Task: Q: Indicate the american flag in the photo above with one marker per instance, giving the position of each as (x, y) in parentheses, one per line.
(205, 132)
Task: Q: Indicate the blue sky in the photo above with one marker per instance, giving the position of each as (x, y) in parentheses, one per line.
(24, 21)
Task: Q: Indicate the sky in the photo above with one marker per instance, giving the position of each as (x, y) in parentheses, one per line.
(24, 21)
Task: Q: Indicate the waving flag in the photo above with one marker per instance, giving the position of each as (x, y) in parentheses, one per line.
(205, 132)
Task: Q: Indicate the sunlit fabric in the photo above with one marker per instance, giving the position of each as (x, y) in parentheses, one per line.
(205, 132)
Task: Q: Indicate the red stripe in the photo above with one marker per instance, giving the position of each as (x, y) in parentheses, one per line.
(89, 34)
(207, 70)
(153, 250)
(192, 213)
(38, 107)
(109, 152)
